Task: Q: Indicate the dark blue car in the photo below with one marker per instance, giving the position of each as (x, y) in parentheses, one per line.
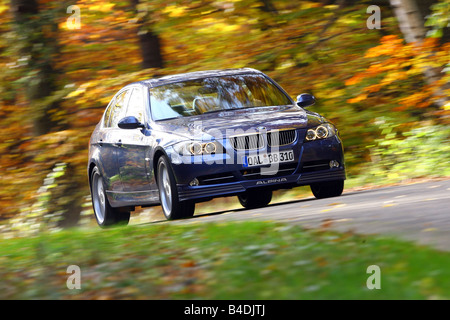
(188, 138)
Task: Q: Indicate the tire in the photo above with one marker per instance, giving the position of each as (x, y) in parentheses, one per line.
(168, 193)
(105, 215)
(327, 189)
(255, 198)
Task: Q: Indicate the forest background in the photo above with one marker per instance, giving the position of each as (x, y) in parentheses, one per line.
(384, 83)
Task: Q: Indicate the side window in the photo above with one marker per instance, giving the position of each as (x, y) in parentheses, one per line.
(118, 110)
(136, 105)
(108, 113)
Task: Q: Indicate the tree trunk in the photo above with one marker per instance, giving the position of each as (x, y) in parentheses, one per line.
(411, 20)
(36, 28)
(150, 50)
(39, 47)
(67, 198)
(149, 42)
(267, 6)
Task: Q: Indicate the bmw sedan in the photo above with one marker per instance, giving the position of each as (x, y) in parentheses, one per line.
(179, 140)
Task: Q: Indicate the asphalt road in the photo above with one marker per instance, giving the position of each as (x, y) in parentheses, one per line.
(418, 212)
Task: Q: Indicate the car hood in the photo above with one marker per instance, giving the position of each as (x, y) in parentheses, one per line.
(241, 121)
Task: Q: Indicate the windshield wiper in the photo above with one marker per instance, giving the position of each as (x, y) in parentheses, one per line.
(177, 117)
(222, 110)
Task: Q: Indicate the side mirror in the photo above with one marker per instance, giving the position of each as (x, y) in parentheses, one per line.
(130, 122)
(305, 100)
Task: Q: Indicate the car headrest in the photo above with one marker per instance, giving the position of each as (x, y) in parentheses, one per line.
(204, 104)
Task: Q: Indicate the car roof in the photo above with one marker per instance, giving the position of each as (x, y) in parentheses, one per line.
(195, 75)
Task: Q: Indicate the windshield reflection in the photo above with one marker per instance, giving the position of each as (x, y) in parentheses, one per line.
(213, 94)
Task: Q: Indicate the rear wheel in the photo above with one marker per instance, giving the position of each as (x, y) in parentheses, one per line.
(168, 193)
(253, 199)
(327, 189)
(104, 213)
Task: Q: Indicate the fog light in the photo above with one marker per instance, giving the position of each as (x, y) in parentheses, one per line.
(194, 182)
(334, 164)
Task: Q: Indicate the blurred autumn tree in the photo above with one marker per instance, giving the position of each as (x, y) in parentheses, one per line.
(56, 80)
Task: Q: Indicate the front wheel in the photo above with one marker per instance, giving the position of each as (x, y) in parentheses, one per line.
(327, 189)
(253, 199)
(105, 214)
(168, 193)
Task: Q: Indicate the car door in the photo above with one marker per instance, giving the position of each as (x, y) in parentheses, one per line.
(133, 154)
(109, 141)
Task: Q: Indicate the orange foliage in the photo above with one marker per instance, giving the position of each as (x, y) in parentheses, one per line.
(397, 62)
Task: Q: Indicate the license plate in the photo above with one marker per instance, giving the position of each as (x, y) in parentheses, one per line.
(268, 158)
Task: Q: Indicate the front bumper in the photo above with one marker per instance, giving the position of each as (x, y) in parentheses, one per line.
(230, 177)
(234, 188)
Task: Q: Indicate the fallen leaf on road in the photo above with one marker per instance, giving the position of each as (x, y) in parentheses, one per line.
(188, 264)
(326, 224)
(335, 203)
(321, 261)
(429, 229)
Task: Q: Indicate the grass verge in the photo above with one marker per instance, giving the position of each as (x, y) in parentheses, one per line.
(239, 260)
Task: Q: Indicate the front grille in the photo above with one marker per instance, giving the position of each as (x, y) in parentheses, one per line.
(248, 142)
(281, 138)
(257, 141)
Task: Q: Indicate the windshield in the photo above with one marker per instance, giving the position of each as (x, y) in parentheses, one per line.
(195, 97)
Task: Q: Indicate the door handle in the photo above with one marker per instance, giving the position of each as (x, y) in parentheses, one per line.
(118, 143)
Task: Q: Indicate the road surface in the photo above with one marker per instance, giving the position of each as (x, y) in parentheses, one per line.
(418, 212)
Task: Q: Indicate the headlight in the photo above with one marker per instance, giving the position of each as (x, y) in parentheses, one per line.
(190, 148)
(323, 131)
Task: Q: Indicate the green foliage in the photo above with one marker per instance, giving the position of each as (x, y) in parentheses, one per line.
(439, 18)
(247, 260)
(39, 217)
(420, 152)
